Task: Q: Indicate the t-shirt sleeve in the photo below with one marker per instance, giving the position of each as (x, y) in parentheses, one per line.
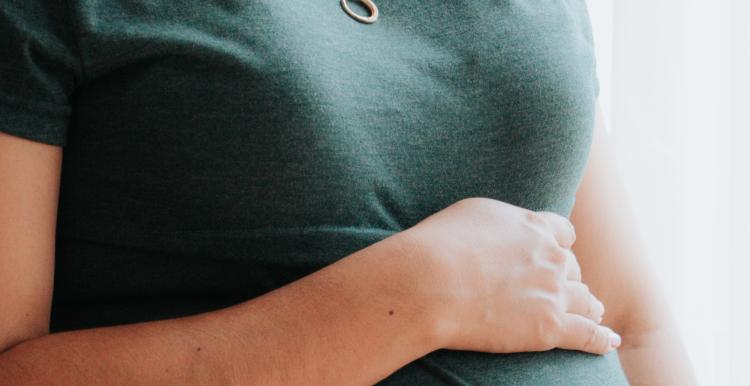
(588, 34)
(38, 70)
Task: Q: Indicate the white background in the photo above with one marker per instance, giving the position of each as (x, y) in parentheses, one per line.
(676, 94)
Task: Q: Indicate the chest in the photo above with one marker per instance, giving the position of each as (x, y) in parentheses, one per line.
(233, 115)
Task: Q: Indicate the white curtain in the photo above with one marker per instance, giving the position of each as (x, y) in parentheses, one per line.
(675, 87)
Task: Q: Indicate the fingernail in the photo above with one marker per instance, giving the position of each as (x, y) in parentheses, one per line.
(600, 320)
(614, 339)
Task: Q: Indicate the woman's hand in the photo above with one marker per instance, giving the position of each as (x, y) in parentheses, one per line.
(507, 280)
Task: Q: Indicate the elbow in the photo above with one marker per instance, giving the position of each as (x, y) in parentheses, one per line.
(10, 339)
(643, 325)
(12, 352)
(12, 369)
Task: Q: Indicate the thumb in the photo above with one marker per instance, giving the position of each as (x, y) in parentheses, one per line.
(583, 334)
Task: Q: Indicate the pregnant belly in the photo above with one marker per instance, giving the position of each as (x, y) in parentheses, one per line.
(556, 367)
(189, 273)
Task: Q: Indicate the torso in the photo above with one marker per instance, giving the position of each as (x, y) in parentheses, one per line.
(219, 150)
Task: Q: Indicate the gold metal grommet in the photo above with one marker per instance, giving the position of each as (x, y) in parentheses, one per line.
(369, 4)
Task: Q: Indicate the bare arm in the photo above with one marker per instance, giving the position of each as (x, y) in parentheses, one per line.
(29, 183)
(466, 277)
(612, 259)
(332, 327)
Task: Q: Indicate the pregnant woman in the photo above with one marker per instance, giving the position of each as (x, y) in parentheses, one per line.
(266, 192)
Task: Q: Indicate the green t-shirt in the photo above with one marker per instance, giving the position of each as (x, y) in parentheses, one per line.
(216, 150)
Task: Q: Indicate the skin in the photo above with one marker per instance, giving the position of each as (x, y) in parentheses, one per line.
(361, 318)
(614, 263)
(387, 304)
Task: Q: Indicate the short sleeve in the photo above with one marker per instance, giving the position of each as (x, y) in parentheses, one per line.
(38, 70)
(588, 35)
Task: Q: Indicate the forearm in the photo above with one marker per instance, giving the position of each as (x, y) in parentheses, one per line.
(655, 358)
(353, 322)
(615, 265)
(652, 352)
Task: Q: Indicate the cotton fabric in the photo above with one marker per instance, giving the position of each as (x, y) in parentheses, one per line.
(216, 150)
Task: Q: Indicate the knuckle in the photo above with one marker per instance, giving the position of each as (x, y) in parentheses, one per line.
(550, 278)
(547, 215)
(549, 328)
(597, 309)
(570, 226)
(557, 254)
(547, 248)
(594, 339)
(539, 233)
(552, 323)
(533, 217)
(548, 240)
(598, 312)
(549, 307)
(540, 236)
(536, 220)
(556, 286)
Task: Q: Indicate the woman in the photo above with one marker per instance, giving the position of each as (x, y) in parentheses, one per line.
(268, 192)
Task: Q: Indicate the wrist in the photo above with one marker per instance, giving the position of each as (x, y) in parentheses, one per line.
(425, 278)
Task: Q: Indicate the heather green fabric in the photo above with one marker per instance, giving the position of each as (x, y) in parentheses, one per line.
(216, 150)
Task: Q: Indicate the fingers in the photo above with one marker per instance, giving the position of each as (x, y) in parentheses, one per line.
(582, 334)
(572, 268)
(561, 228)
(582, 302)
